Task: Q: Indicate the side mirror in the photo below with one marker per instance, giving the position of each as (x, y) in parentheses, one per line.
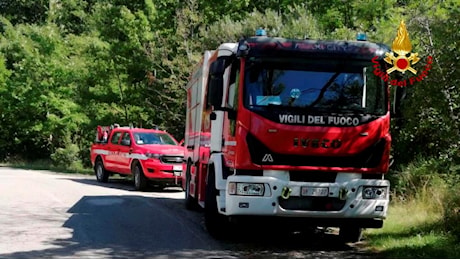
(216, 81)
(216, 91)
(218, 66)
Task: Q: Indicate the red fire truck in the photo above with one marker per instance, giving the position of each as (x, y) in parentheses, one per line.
(149, 155)
(290, 129)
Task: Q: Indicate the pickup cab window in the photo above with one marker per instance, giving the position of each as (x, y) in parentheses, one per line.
(126, 139)
(115, 138)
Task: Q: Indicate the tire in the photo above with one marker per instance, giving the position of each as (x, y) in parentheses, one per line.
(190, 202)
(216, 224)
(140, 181)
(350, 234)
(101, 173)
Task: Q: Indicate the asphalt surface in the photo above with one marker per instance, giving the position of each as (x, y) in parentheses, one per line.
(54, 215)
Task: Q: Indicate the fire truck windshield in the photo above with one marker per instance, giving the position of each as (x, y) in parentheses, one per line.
(336, 86)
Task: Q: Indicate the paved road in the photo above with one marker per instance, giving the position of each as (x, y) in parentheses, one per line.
(53, 215)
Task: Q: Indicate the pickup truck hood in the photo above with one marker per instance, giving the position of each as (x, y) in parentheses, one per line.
(163, 149)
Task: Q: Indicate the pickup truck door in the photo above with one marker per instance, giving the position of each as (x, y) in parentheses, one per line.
(125, 149)
(111, 159)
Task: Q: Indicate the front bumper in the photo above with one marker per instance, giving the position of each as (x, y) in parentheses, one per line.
(343, 200)
(158, 171)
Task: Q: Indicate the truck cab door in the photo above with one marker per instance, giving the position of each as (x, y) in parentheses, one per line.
(111, 158)
(125, 152)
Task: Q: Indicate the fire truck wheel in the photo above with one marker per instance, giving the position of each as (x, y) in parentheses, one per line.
(101, 174)
(140, 181)
(190, 202)
(216, 224)
(350, 234)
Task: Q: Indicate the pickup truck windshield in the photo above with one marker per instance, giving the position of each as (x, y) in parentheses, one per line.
(337, 86)
(142, 138)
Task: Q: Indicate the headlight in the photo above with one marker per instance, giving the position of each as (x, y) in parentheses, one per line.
(371, 192)
(153, 155)
(246, 189)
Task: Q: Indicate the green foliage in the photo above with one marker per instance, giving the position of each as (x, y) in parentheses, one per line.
(429, 228)
(299, 24)
(65, 157)
(71, 15)
(68, 66)
(24, 11)
(420, 180)
(38, 104)
(432, 104)
(428, 191)
(451, 213)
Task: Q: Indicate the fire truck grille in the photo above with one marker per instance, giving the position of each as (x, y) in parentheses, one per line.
(171, 159)
(312, 203)
(369, 158)
(312, 176)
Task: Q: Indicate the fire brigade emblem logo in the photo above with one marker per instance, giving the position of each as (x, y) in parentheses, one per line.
(401, 58)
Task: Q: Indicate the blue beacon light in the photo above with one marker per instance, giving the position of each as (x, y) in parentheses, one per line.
(361, 37)
(261, 32)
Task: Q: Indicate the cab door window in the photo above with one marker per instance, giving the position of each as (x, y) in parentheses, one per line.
(126, 139)
(232, 101)
(115, 138)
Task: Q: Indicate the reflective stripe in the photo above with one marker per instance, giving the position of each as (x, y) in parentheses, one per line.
(137, 156)
(230, 143)
(101, 151)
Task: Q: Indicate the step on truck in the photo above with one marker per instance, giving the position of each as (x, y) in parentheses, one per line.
(289, 129)
(150, 156)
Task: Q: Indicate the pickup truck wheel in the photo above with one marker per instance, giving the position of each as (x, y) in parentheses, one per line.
(140, 181)
(101, 174)
(350, 234)
(190, 202)
(216, 224)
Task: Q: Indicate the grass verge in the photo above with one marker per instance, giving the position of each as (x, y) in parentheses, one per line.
(47, 165)
(414, 229)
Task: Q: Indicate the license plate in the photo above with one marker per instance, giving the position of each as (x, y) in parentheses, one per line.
(177, 173)
(177, 167)
(315, 191)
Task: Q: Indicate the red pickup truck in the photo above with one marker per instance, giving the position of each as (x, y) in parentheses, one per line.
(151, 156)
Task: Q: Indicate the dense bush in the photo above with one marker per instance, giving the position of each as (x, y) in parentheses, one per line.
(433, 183)
(451, 211)
(66, 157)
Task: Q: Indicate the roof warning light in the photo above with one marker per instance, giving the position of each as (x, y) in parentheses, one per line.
(361, 37)
(261, 32)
